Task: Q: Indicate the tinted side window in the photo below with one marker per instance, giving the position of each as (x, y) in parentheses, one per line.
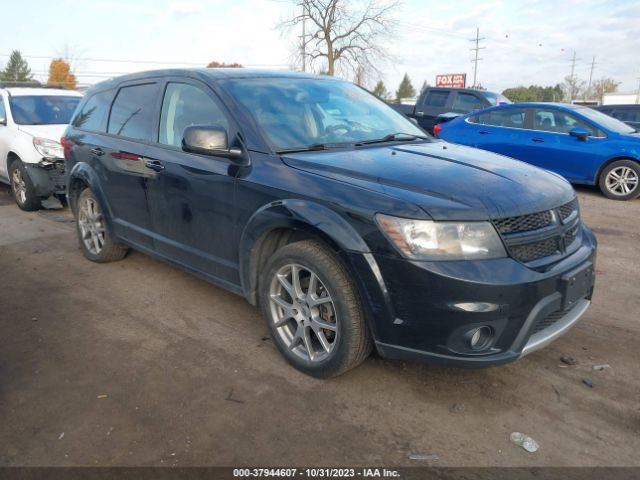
(132, 112)
(2, 110)
(557, 121)
(467, 102)
(93, 115)
(511, 118)
(436, 99)
(184, 105)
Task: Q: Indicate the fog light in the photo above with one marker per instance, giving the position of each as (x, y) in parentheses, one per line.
(480, 337)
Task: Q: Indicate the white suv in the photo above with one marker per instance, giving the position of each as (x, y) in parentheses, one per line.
(32, 120)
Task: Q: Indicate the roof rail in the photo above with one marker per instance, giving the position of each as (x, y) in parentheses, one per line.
(27, 84)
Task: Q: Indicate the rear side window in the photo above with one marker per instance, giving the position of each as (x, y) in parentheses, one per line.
(436, 99)
(93, 116)
(626, 115)
(132, 112)
(510, 118)
(185, 105)
(467, 102)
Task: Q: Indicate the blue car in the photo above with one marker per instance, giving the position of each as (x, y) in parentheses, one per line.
(581, 144)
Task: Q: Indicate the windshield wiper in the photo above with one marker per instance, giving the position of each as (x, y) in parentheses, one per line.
(312, 148)
(393, 137)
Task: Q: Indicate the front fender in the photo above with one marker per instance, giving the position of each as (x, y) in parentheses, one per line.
(297, 215)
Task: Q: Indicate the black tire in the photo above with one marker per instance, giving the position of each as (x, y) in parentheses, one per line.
(352, 342)
(22, 189)
(107, 250)
(617, 191)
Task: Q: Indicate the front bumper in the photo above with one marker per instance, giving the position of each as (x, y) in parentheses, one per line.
(47, 176)
(425, 311)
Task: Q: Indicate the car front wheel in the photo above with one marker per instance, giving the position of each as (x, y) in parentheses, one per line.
(24, 193)
(620, 180)
(313, 311)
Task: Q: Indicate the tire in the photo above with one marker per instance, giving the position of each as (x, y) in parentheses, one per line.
(620, 180)
(96, 242)
(321, 332)
(22, 189)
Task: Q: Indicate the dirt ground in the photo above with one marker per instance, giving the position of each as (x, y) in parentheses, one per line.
(138, 363)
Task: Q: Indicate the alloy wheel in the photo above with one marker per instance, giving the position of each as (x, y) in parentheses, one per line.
(303, 312)
(19, 186)
(91, 223)
(621, 181)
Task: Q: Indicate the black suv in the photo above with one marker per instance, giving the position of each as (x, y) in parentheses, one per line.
(334, 213)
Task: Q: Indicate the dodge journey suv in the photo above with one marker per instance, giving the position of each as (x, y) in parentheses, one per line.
(347, 224)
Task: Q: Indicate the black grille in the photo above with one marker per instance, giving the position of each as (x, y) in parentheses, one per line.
(567, 209)
(533, 251)
(524, 223)
(548, 321)
(570, 235)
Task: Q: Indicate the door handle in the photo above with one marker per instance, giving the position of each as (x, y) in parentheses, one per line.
(97, 151)
(155, 165)
(419, 114)
(483, 132)
(537, 140)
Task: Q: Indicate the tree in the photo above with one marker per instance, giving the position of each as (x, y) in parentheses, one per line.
(343, 35)
(380, 90)
(17, 69)
(425, 84)
(534, 93)
(405, 89)
(572, 87)
(215, 64)
(60, 74)
(602, 86)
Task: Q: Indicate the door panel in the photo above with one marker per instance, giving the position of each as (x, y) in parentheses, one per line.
(550, 146)
(191, 197)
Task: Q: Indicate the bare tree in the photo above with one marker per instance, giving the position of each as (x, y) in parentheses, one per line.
(604, 85)
(572, 87)
(345, 36)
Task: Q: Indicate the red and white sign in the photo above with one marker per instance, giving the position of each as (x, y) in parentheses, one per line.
(453, 80)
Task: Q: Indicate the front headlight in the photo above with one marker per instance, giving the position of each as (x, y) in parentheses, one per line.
(48, 148)
(429, 240)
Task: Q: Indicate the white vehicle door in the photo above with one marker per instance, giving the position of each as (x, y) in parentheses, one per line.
(6, 136)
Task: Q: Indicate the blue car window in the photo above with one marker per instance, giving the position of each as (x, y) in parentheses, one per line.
(557, 121)
(510, 118)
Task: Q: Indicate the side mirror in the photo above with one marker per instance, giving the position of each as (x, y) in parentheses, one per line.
(580, 133)
(209, 140)
(414, 121)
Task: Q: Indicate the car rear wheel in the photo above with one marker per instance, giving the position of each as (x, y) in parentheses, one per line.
(620, 180)
(313, 311)
(96, 242)
(24, 193)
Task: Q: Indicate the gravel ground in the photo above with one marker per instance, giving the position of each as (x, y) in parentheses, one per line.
(138, 363)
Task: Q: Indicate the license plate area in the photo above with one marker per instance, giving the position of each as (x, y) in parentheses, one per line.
(576, 284)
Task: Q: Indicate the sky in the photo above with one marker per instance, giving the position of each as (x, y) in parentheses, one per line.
(526, 42)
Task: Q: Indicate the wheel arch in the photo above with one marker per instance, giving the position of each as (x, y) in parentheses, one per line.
(286, 221)
(83, 176)
(610, 161)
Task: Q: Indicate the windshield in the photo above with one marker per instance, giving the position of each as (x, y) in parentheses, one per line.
(42, 110)
(297, 113)
(495, 98)
(604, 120)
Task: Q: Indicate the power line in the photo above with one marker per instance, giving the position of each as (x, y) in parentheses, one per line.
(477, 48)
(148, 62)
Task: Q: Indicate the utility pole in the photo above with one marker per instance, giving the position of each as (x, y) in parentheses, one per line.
(475, 61)
(593, 64)
(572, 85)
